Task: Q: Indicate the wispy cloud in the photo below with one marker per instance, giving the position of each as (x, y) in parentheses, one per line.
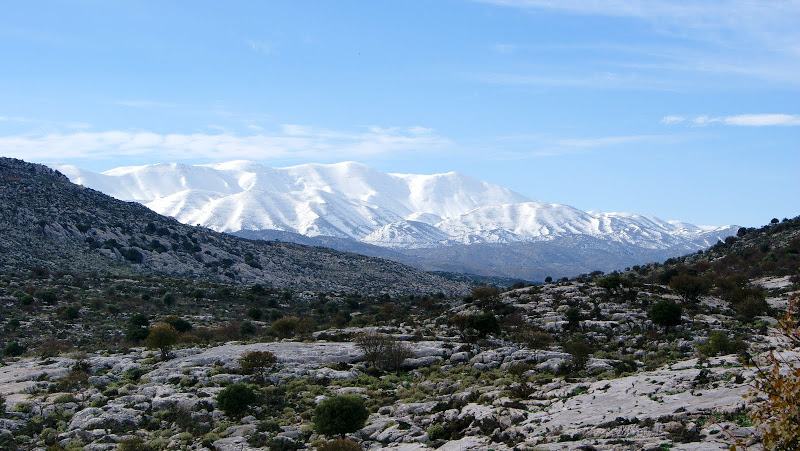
(605, 80)
(669, 120)
(144, 103)
(746, 38)
(504, 49)
(537, 145)
(719, 14)
(292, 141)
(261, 46)
(741, 120)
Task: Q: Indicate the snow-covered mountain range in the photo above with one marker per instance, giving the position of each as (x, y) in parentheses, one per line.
(399, 211)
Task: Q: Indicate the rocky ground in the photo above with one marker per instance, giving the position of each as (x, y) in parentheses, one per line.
(639, 388)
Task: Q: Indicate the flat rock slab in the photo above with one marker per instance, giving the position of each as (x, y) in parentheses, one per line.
(297, 356)
(652, 394)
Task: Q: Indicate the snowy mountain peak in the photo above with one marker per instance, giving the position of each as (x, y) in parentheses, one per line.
(352, 200)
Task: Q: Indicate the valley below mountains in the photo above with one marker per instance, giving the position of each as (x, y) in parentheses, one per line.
(439, 222)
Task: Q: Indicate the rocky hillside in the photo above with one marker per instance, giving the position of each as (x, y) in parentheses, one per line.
(48, 222)
(659, 357)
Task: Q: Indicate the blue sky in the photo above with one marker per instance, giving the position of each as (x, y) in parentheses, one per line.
(684, 110)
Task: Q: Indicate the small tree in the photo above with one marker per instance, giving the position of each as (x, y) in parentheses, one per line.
(689, 286)
(485, 293)
(13, 349)
(477, 325)
(137, 329)
(162, 336)
(180, 324)
(665, 313)
(257, 363)
(610, 283)
(719, 343)
(255, 313)
(573, 317)
(340, 415)
(580, 350)
(236, 399)
(286, 327)
(382, 351)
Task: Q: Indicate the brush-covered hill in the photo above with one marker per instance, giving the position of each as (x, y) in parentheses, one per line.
(48, 222)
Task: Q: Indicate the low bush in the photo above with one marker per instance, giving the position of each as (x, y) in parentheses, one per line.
(719, 343)
(340, 415)
(382, 351)
(237, 399)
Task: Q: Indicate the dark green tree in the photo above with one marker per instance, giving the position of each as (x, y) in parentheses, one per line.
(340, 415)
(665, 313)
(236, 399)
(689, 286)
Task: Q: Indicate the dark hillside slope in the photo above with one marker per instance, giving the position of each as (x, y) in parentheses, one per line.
(46, 221)
(769, 251)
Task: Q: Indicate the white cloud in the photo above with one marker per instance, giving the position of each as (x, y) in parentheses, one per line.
(291, 142)
(670, 120)
(745, 120)
(761, 120)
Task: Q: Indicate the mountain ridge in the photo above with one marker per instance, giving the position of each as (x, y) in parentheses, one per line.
(352, 200)
(49, 222)
(437, 222)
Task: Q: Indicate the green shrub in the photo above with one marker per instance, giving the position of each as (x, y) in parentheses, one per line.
(689, 286)
(169, 298)
(480, 324)
(286, 327)
(719, 343)
(437, 432)
(533, 338)
(236, 399)
(247, 328)
(485, 293)
(162, 336)
(340, 415)
(257, 363)
(748, 302)
(70, 312)
(13, 349)
(580, 350)
(665, 313)
(137, 329)
(573, 317)
(255, 313)
(180, 324)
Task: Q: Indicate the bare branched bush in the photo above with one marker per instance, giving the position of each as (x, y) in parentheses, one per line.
(779, 386)
(383, 351)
